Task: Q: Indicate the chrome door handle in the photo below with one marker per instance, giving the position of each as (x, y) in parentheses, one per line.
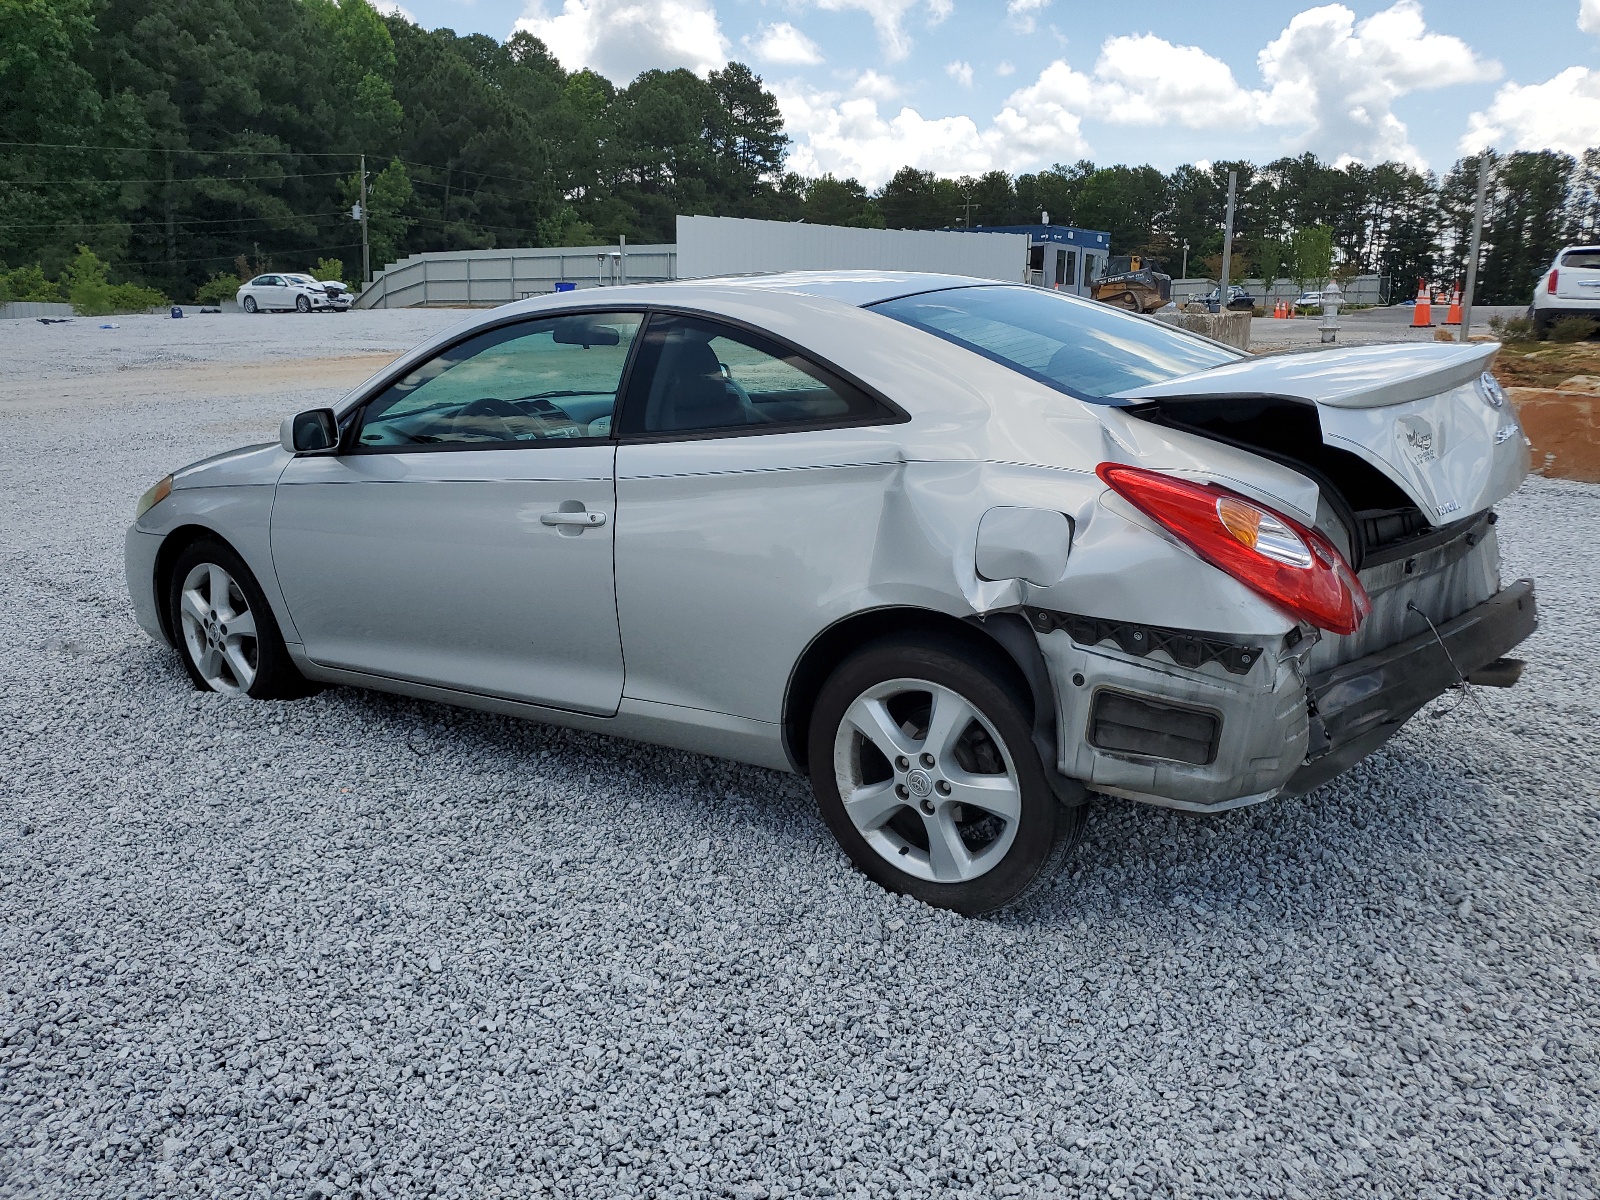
(583, 520)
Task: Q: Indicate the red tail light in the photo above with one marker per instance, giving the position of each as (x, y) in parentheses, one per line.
(1296, 568)
(1555, 277)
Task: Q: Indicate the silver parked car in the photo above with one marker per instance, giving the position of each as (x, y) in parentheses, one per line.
(961, 552)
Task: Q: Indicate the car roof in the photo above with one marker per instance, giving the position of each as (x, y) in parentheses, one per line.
(855, 288)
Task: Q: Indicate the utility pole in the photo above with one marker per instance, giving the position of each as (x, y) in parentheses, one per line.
(366, 250)
(1184, 273)
(966, 213)
(1227, 244)
(1477, 237)
(622, 257)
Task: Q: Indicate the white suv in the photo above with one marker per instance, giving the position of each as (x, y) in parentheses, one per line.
(1570, 288)
(300, 292)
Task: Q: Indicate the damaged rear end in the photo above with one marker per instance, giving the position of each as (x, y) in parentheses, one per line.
(1406, 450)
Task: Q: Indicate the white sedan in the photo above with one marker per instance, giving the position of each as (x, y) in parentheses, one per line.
(302, 293)
(961, 552)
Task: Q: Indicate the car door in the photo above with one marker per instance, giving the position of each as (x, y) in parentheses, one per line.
(751, 482)
(463, 536)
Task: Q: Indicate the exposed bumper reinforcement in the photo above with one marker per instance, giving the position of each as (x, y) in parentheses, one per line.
(1358, 706)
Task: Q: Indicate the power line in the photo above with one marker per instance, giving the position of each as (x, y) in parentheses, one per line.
(162, 223)
(179, 150)
(192, 179)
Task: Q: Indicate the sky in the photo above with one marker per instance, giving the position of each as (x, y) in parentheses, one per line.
(960, 87)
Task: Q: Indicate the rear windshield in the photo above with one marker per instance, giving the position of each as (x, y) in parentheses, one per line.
(1581, 258)
(1080, 347)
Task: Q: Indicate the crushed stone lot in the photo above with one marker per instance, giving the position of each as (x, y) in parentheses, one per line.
(360, 945)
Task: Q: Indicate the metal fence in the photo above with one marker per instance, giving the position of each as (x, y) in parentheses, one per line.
(488, 277)
(1361, 289)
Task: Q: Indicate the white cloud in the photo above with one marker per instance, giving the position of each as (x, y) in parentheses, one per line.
(959, 71)
(784, 44)
(621, 38)
(1331, 85)
(878, 87)
(1005, 69)
(1146, 80)
(1562, 113)
(1341, 78)
(888, 18)
(390, 9)
(849, 137)
(1024, 12)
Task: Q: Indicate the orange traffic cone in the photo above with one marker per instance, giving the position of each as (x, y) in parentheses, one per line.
(1422, 315)
(1452, 315)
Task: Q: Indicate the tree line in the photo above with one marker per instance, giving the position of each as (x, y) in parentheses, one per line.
(187, 140)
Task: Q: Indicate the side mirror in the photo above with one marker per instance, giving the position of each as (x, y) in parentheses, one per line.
(315, 431)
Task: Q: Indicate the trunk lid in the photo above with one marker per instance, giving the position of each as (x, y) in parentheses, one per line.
(1577, 275)
(1417, 413)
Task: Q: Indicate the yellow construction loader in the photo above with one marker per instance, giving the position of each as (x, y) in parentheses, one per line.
(1131, 281)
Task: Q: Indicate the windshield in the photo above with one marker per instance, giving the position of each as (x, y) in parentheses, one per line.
(1083, 348)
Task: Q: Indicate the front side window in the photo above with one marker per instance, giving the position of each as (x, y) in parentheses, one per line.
(1085, 349)
(696, 375)
(548, 380)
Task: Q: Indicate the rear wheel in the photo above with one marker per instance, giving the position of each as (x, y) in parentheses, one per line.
(923, 764)
(250, 304)
(226, 632)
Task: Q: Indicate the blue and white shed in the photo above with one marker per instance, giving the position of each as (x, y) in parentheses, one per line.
(1060, 256)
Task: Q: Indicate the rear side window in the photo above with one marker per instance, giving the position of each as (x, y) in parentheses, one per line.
(1581, 258)
(694, 375)
(1083, 348)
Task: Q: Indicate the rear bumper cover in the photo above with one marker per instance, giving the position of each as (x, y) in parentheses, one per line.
(1357, 707)
(1274, 730)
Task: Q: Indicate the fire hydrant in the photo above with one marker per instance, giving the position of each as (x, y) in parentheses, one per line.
(1331, 299)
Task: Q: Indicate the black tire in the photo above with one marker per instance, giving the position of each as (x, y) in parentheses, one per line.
(1541, 325)
(275, 675)
(1045, 829)
(302, 304)
(250, 305)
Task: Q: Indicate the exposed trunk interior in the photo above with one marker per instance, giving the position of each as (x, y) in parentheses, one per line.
(1382, 521)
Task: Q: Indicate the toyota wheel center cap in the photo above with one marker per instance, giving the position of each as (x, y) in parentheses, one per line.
(919, 784)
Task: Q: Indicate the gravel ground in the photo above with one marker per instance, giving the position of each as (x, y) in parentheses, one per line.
(364, 946)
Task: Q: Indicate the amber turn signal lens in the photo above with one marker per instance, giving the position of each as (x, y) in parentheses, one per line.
(153, 497)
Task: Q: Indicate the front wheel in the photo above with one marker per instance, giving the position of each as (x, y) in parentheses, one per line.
(227, 635)
(302, 304)
(250, 304)
(923, 764)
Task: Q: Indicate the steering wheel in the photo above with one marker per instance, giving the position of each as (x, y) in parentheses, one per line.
(486, 416)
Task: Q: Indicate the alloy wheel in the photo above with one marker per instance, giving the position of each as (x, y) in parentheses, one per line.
(927, 781)
(219, 629)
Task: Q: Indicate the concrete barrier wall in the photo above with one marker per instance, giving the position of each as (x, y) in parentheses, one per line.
(1231, 328)
(18, 310)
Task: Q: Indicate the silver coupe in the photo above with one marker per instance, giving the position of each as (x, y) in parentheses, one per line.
(961, 552)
